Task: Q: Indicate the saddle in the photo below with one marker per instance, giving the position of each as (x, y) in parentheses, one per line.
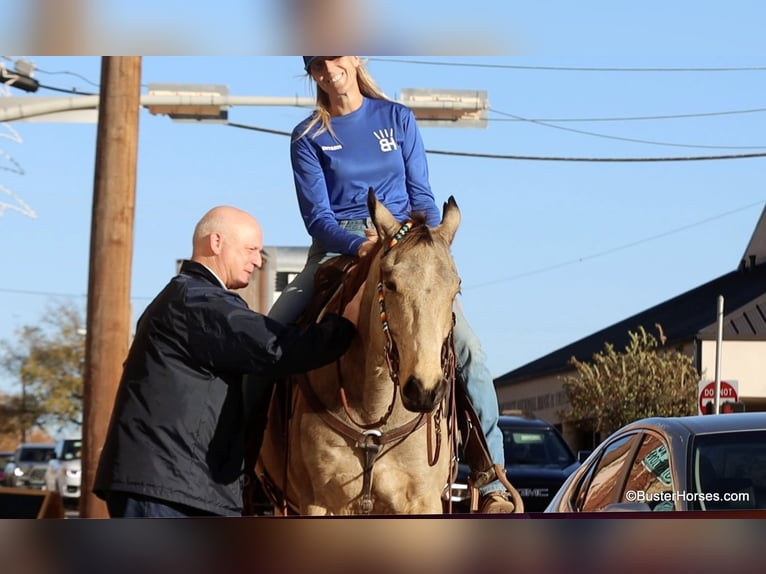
(335, 283)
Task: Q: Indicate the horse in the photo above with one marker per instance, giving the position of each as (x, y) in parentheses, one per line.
(373, 432)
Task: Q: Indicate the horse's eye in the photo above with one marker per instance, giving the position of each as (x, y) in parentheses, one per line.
(390, 285)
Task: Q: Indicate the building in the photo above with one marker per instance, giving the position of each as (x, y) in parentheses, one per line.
(280, 265)
(689, 321)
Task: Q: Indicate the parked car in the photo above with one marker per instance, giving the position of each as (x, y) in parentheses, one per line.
(64, 469)
(28, 464)
(712, 462)
(5, 457)
(537, 461)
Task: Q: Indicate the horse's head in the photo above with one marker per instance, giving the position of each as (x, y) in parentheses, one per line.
(418, 283)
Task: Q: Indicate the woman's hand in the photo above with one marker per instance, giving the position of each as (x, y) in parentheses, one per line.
(366, 247)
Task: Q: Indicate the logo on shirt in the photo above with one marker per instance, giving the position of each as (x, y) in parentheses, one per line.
(386, 140)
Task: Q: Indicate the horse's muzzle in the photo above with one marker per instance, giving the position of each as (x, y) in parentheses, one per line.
(418, 399)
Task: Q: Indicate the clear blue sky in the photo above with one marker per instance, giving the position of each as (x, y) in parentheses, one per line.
(549, 251)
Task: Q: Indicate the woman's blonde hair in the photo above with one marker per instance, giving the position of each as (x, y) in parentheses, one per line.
(367, 86)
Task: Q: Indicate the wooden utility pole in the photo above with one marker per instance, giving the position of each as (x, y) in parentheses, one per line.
(111, 252)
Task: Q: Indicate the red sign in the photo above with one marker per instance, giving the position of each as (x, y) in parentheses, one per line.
(727, 394)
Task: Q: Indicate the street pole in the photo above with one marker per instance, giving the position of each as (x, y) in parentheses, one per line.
(718, 345)
(111, 251)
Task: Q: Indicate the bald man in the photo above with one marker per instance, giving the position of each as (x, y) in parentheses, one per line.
(176, 441)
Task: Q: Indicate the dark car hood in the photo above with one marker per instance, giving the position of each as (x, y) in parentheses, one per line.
(539, 473)
(527, 473)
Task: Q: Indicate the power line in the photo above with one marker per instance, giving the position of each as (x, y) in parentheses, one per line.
(613, 249)
(68, 73)
(596, 159)
(630, 118)
(73, 91)
(494, 281)
(540, 158)
(620, 138)
(542, 122)
(568, 68)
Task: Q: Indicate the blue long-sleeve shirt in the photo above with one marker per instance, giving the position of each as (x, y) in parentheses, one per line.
(379, 146)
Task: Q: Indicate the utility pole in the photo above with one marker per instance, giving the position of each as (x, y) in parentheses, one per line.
(111, 252)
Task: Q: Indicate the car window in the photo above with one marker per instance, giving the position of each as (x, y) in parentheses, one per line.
(535, 448)
(36, 454)
(650, 477)
(729, 470)
(605, 485)
(71, 449)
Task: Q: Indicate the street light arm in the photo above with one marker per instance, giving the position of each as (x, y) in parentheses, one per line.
(29, 107)
(17, 108)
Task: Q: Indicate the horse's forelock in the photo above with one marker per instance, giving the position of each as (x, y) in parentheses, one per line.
(418, 234)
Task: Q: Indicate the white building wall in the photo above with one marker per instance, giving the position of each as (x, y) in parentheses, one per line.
(742, 361)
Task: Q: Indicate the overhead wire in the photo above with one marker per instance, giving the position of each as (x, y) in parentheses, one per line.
(613, 249)
(620, 138)
(542, 122)
(540, 158)
(631, 118)
(570, 68)
(514, 277)
(548, 123)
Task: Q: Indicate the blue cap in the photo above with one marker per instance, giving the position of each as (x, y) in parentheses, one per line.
(307, 61)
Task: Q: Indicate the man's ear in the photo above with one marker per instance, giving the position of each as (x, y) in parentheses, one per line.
(215, 241)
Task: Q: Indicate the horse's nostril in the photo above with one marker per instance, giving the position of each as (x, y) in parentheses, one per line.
(417, 398)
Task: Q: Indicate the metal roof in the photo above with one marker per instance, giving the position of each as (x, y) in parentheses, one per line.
(689, 316)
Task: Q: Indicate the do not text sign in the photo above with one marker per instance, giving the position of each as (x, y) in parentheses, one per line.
(727, 393)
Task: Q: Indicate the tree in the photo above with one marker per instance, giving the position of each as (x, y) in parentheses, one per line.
(644, 380)
(48, 362)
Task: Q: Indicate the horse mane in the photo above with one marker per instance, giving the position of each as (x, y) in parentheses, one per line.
(419, 233)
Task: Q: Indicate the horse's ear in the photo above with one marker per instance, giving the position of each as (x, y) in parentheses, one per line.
(384, 222)
(450, 220)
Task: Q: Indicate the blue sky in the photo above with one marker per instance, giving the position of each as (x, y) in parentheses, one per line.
(549, 251)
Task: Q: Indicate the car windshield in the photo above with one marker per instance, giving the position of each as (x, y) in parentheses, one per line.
(35, 454)
(71, 449)
(535, 448)
(729, 470)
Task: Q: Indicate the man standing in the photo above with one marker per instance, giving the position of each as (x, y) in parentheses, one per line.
(176, 441)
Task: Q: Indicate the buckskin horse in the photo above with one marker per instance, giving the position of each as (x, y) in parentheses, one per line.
(374, 432)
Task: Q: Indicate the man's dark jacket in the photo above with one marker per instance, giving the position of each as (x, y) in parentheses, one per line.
(177, 431)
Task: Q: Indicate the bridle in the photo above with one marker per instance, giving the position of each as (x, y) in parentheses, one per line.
(371, 439)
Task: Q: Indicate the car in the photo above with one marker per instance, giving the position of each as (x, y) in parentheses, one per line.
(537, 461)
(5, 457)
(28, 464)
(694, 463)
(64, 470)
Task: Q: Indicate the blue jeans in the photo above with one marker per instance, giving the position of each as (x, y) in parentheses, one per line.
(469, 355)
(129, 505)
